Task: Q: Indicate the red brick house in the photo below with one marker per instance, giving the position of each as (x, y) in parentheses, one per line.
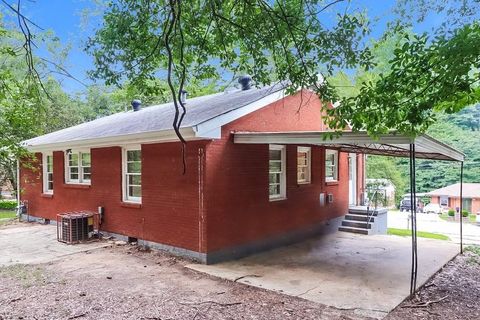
(450, 197)
(234, 199)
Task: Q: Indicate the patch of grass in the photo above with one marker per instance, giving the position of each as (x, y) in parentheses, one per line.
(27, 275)
(475, 254)
(471, 218)
(7, 214)
(421, 234)
(445, 216)
(473, 249)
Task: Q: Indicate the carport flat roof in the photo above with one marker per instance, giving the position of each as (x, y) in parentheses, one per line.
(391, 144)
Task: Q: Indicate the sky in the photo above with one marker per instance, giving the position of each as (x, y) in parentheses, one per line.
(64, 18)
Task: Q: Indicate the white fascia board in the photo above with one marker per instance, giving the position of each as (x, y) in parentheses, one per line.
(424, 143)
(432, 145)
(212, 128)
(121, 140)
(316, 138)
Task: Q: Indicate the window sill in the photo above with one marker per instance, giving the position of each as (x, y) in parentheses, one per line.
(76, 186)
(135, 205)
(332, 183)
(304, 183)
(47, 195)
(277, 199)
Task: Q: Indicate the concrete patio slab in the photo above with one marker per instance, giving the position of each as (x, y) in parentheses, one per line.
(369, 274)
(35, 243)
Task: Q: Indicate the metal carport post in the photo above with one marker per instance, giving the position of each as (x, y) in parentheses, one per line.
(461, 207)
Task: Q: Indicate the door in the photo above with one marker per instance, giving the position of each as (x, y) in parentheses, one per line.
(352, 179)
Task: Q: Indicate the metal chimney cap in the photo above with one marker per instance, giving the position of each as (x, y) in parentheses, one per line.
(245, 81)
(136, 104)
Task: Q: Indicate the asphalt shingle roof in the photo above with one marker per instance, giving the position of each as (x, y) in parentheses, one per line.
(158, 117)
(470, 190)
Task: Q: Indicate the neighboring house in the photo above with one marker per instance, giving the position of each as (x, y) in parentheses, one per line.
(6, 191)
(385, 187)
(233, 200)
(450, 197)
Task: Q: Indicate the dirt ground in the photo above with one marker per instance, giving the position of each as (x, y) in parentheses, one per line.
(453, 293)
(123, 282)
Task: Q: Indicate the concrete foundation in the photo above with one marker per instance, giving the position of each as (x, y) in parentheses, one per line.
(232, 253)
(241, 251)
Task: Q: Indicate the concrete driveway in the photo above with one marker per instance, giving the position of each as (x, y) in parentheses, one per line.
(36, 244)
(433, 223)
(369, 274)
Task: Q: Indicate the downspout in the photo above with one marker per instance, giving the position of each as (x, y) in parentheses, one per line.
(461, 207)
(364, 180)
(18, 190)
(201, 211)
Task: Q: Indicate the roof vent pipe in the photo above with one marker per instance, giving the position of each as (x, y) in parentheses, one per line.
(136, 105)
(245, 81)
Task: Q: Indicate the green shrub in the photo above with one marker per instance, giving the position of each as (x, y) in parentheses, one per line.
(8, 204)
(465, 213)
(451, 212)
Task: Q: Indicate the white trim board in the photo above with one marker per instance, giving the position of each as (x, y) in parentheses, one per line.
(426, 146)
(212, 128)
(139, 138)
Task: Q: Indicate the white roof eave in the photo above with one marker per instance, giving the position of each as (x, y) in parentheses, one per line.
(119, 140)
(360, 141)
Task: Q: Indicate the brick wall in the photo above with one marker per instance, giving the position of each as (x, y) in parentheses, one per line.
(221, 201)
(169, 211)
(453, 203)
(237, 198)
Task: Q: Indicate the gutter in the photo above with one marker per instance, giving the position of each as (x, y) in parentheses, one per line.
(119, 140)
(18, 187)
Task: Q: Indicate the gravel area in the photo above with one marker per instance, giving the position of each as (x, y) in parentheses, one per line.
(122, 282)
(453, 293)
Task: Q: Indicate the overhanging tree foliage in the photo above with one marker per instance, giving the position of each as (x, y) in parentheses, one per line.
(288, 40)
(425, 77)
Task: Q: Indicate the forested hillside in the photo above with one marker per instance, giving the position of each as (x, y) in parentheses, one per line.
(461, 131)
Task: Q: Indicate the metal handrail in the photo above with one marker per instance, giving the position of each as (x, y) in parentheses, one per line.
(369, 199)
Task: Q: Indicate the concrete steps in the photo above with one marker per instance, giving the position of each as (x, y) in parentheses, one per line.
(359, 220)
(358, 217)
(354, 230)
(356, 224)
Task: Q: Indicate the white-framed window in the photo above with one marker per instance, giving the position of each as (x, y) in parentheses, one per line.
(331, 165)
(47, 162)
(78, 167)
(276, 172)
(132, 174)
(304, 164)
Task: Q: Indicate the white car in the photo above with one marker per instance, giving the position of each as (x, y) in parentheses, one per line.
(433, 208)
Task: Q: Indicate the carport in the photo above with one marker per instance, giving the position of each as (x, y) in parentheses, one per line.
(391, 144)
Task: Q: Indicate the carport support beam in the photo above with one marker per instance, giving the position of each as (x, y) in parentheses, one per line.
(413, 213)
(461, 207)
